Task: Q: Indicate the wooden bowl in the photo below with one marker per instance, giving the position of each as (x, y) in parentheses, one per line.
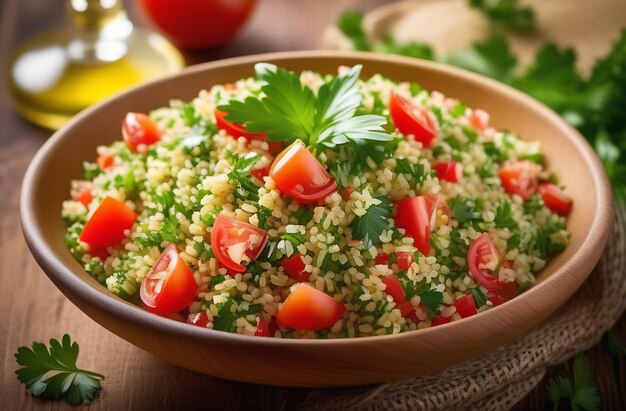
(320, 362)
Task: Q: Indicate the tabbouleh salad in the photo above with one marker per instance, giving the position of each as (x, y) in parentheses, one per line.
(316, 206)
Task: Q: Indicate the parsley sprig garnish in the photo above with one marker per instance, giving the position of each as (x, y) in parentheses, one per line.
(582, 393)
(289, 110)
(53, 374)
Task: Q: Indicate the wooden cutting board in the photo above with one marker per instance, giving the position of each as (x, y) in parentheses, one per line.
(589, 26)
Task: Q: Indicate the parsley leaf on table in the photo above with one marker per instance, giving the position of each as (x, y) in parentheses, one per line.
(582, 393)
(53, 374)
(289, 110)
(506, 13)
(371, 225)
(493, 58)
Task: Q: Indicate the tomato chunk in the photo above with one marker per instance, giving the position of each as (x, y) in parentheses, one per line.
(200, 319)
(450, 171)
(554, 199)
(404, 260)
(479, 119)
(105, 161)
(140, 132)
(381, 258)
(235, 242)
(439, 320)
(169, 286)
(412, 216)
(264, 329)
(260, 173)
(307, 308)
(297, 173)
(465, 306)
(410, 119)
(508, 292)
(106, 226)
(486, 264)
(438, 211)
(406, 309)
(394, 289)
(85, 196)
(520, 178)
(294, 266)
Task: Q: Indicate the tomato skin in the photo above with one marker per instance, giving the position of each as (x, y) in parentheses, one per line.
(297, 173)
(436, 203)
(404, 260)
(85, 196)
(480, 251)
(260, 173)
(263, 329)
(410, 119)
(294, 266)
(406, 309)
(520, 178)
(381, 258)
(105, 161)
(465, 306)
(231, 238)
(199, 24)
(439, 320)
(449, 171)
(139, 131)
(235, 130)
(169, 286)
(394, 289)
(307, 308)
(412, 216)
(106, 226)
(554, 199)
(508, 292)
(200, 319)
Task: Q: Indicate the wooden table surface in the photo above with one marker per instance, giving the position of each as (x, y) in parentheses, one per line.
(31, 308)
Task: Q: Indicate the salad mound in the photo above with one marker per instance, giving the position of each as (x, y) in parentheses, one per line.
(316, 206)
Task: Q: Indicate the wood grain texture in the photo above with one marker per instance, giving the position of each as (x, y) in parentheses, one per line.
(31, 308)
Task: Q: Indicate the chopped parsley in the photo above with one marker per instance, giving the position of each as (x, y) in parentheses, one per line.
(371, 225)
(430, 298)
(245, 188)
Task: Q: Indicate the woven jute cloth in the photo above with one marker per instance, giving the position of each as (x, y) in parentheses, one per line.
(500, 379)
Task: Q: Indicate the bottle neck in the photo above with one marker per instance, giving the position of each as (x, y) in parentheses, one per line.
(94, 15)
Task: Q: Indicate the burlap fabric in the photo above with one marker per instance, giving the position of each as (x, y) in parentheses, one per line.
(498, 380)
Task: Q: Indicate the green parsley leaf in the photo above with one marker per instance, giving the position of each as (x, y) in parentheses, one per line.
(430, 298)
(479, 297)
(410, 49)
(290, 110)
(504, 217)
(53, 374)
(245, 188)
(581, 394)
(465, 210)
(414, 172)
(506, 13)
(350, 24)
(371, 225)
(492, 58)
(225, 318)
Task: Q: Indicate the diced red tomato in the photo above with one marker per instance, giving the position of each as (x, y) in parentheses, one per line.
(294, 266)
(520, 178)
(297, 173)
(394, 289)
(102, 253)
(381, 258)
(483, 253)
(200, 319)
(307, 308)
(106, 226)
(508, 292)
(85, 196)
(346, 192)
(465, 306)
(410, 119)
(438, 211)
(263, 329)
(260, 173)
(554, 199)
(450, 171)
(439, 320)
(406, 308)
(479, 119)
(237, 130)
(105, 161)
(140, 131)
(404, 260)
(412, 216)
(235, 242)
(169, 286)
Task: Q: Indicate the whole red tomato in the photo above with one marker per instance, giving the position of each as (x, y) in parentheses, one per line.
(199, 23)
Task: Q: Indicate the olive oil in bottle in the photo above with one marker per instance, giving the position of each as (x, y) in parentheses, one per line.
(55, 75)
